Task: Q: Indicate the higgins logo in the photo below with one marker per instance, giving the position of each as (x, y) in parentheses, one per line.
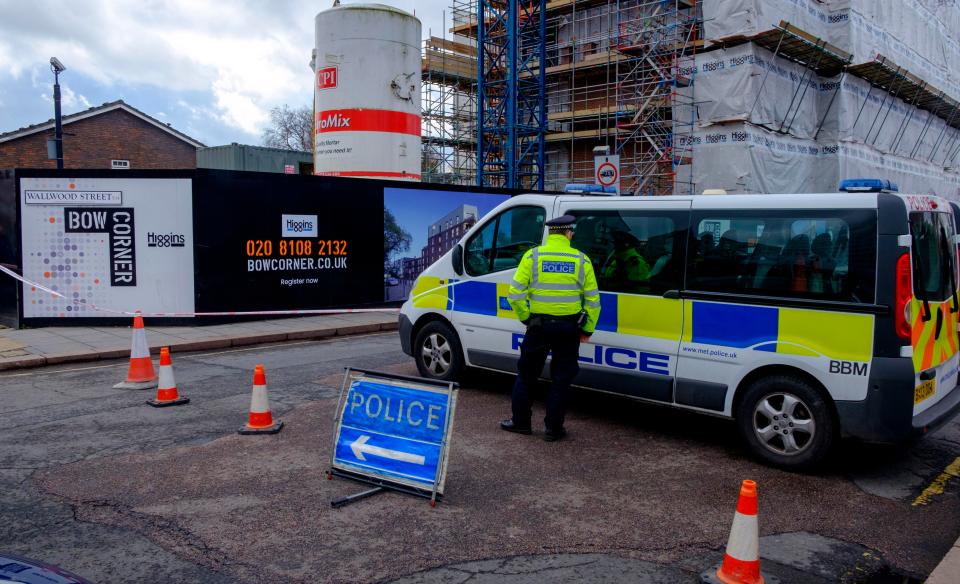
(617, 357)
(166, 240)
(333, 122)
(298, 226)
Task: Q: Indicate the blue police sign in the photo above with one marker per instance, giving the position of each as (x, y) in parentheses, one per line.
(395, 430)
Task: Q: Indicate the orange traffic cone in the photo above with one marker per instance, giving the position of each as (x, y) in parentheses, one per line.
(167, 388)
(261, 420)
(741, 561)
(140, 375)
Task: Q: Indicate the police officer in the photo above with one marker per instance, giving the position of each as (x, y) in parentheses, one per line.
(554, 293)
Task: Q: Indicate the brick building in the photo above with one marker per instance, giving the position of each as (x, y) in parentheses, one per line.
(112, 135)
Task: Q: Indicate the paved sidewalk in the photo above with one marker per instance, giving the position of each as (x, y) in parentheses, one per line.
(948, 570)
(21, 349)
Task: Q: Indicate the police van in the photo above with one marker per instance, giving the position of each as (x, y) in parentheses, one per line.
(802, 317)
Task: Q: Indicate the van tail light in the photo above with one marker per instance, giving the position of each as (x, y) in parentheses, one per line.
(904, 293)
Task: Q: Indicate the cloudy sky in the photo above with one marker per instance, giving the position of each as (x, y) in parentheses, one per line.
(212, 69)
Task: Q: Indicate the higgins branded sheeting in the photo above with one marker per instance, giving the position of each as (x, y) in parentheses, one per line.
(765, 124)
(920, 35)
(746, 83)
(743, 158)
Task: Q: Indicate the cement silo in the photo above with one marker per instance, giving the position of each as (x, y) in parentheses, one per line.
(367, 93)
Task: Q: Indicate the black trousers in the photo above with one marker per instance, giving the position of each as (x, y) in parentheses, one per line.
(562, 339)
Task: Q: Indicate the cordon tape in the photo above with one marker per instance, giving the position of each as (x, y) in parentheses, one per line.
(38, 286)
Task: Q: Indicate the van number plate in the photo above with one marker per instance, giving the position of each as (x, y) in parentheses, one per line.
(924, 390)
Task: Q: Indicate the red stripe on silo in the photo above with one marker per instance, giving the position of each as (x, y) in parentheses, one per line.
(367, 120)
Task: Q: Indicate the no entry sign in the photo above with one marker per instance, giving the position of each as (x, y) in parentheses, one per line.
(606, 171)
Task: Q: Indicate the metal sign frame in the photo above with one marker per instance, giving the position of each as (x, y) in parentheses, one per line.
(350, 376)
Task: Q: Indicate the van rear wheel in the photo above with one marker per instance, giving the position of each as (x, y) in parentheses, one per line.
(786, 422)
(438, 353)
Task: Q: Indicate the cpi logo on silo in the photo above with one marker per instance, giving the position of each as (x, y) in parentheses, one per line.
(327, 78)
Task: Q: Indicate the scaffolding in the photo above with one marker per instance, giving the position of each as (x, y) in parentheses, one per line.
(511, 93)
(560, 77)
(449, 105)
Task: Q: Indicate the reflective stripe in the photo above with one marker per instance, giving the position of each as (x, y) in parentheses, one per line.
(535, 270)
(561, 253)
(583, 260)
(571, 287)
(593, 292)
(518, 285)
(518, 296)
(592, 303)
(554, 299)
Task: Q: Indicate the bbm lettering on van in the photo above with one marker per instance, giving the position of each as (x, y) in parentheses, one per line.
(848, 368)
(558, 267)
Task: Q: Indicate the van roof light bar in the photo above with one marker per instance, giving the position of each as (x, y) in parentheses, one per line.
(588, 189)
(867, 185)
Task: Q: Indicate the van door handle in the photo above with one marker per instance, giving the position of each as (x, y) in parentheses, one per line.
(673, 294)
(928, 374)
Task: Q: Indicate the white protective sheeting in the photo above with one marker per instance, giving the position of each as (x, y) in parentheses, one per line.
(746, 83)
(742, 158)
(922, 36)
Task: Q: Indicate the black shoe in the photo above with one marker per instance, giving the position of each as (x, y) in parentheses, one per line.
(509, 426)
(554, 435)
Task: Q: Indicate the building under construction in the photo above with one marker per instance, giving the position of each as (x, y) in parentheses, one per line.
(743, 95)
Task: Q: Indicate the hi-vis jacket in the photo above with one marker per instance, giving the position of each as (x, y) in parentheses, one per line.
(557, 280)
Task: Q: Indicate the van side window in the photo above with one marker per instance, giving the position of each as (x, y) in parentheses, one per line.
(799, 254)
(933, 267)
(501, 243)
(636, 252)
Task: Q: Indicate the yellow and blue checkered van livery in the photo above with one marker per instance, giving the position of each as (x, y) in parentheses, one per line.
(792, 331)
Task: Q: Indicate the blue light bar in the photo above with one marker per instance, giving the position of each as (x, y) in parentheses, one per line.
(581, 188)
(867, 185)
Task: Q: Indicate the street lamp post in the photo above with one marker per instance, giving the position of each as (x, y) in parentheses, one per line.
(57, 67)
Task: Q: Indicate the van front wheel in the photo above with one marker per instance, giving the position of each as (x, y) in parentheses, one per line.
(786, 422)
(438, 353)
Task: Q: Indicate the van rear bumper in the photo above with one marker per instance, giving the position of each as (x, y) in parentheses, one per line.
(938, 414)
(886, 415)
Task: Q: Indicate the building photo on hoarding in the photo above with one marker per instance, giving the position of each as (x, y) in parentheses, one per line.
(420, 226)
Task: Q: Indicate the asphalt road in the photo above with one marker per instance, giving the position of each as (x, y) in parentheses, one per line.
(95, 481)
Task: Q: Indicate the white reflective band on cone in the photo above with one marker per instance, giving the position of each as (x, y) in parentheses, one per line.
(258, 400)
(138, 347)
(166, 378)
(744, 542)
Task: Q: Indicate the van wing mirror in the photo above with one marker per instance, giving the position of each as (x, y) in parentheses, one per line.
(458, 259)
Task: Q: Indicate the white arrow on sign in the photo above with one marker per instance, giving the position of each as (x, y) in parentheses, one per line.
(360, 446)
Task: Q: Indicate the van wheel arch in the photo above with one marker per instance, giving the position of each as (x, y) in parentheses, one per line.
(445, 337)
(774, 370)
(782, 382)
(425, 320)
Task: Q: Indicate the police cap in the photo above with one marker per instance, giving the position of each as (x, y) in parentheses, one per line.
(563, 221)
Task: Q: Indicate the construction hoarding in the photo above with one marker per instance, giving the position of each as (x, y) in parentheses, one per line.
(177, 243)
